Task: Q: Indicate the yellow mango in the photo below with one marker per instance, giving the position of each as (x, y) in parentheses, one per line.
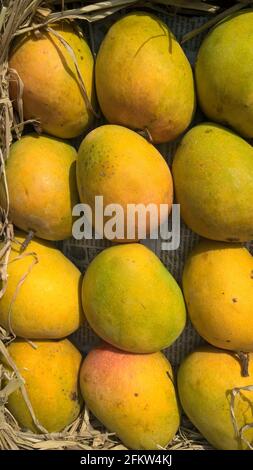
(50, 371)
(52, 91)
(213, 176)
(131, 300)
(133, 395)
(42, 299)
(41, 177)
(218, 290)
(224, 69)
(120, 165)
(207, 379)
(143, 78)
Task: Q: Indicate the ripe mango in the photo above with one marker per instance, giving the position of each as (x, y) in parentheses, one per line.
(213, 177)
(143, 78)
(131, 300)
(50, 371)
(133, 395)
(120, 165)
(218, 290)
(52, 91)
(224, 69)
(41, 177)
(42, 299)
(206, 379)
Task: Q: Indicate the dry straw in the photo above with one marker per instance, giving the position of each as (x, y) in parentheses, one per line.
(16, 18)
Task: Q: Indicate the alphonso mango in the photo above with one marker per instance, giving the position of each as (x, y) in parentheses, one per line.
(143, 78)
(52, 92)
(224, 68)
(41, 178)
(213, 177)
(131, 300)
(218, 291)
(42, 299)
(50, 370)
(207, 380)
(133, 395)
(120, 165)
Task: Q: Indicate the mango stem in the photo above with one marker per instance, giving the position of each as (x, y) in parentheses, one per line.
(28, 239)
(244, 360)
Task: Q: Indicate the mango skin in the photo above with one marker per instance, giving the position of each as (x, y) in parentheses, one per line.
(52, 92)
(218, 291)
(112, 154)
(41, 177)
(213, 177)
(224, 69)
(51, 374)
(143, 78)
(131, 300)
(205, 381)
(133, 395)
(48, 303)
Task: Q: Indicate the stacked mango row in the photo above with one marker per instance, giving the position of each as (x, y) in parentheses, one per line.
(145, 89)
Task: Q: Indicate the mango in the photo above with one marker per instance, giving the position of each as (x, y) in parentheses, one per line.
(207, 379)
(133, 395)
(224, 69)
(213, 177)
(42, 299)
(218, 291)
(52, 92)
(120, 165)
(131, 300)
(41, 178)
(143, 78)
(50, 372)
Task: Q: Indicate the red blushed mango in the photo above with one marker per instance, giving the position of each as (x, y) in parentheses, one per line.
(133, 395)
(131, 300)
(120, 165)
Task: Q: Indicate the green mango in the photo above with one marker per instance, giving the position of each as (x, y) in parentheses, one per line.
(213, 178)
